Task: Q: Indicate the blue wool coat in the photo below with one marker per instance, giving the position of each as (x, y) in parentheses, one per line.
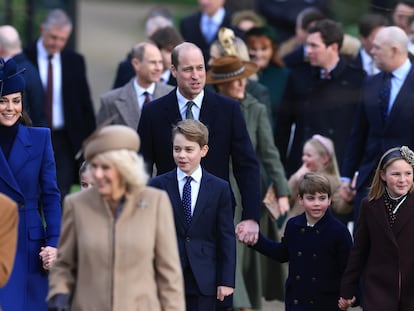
(317, 258)
(29, 178)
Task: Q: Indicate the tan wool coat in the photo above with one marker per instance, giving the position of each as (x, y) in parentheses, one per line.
(131, 263)
(9, 220)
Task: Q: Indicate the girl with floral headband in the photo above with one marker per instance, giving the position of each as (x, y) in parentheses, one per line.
(383, 249)
(318, 156)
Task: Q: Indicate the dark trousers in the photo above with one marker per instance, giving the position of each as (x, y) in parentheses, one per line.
(194, 300)
(66, 165)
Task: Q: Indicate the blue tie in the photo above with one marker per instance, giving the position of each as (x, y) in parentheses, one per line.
(211, 31)
(384, 96)
(186, 201)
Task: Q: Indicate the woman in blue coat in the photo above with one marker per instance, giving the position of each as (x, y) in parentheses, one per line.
(28, 176)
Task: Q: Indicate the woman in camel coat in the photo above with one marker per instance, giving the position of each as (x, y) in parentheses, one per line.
(118, 248)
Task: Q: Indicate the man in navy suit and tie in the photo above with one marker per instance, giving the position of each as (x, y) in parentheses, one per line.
(203, 214)
(377, 128)
(229, 139)
(201, 28)
(69, 110)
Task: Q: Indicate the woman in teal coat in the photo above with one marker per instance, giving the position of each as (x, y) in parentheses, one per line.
(228, 74)
(28, 176)
(263, 50)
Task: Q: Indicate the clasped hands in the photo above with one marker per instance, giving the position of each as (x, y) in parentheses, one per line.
(344, 304)
(247, 231)
(48, 256)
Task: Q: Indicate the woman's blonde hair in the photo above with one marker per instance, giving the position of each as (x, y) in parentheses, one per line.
(130, 166)
(377, 188)
(325, 147)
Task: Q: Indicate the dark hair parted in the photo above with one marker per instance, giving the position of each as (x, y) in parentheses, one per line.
(193, 130)
(312, 183)
(331, 31)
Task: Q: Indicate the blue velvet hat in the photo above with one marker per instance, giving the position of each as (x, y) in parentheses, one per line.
(11, 79)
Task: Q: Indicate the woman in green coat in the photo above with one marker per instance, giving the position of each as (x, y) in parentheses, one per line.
(260, 277)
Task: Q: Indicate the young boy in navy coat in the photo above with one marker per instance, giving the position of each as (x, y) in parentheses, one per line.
(316, 245)
(203, 214)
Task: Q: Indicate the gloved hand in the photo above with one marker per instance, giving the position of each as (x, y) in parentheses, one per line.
(59, 302)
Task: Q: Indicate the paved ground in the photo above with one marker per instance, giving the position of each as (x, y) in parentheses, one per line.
(107, 30)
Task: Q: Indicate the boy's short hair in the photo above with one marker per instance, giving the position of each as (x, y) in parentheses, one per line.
(193, 130)
(312, 183)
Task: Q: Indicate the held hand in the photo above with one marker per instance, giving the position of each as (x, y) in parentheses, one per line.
(247, 231)
(283, 205)
(223, 292)
(48, 256)
(344, 304)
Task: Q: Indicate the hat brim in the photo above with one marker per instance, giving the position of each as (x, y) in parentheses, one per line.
(250, 68)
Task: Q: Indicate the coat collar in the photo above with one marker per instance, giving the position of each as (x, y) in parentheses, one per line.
(301, 221)
(404, 218)
(18, 157)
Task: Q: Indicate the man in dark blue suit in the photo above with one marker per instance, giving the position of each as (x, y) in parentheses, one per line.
(201, 28)
(377, 128)
(229, 139)
(203, 214)
(72, 118)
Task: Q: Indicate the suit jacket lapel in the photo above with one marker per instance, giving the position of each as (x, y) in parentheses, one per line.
(172, 190)
(170, 106)
(209, 109)
(19, 154)
(402, 96)
(202, 198)
(128, 104)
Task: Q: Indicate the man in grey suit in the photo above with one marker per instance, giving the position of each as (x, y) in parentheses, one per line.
(123, 105)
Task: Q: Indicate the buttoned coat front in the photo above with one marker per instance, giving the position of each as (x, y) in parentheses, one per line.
(29, 178)
(385, 256)
(128, 263)
(317, 257)
(121, 104)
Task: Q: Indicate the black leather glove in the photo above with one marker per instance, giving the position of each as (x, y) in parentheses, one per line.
(59, 302)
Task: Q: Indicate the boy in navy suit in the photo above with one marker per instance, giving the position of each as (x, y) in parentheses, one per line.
(203, 214)
(316, 245)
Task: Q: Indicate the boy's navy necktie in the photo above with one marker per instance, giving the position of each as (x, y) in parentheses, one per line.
(186, 200)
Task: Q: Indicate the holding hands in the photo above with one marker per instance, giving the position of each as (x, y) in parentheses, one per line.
(48, 256)
(344, 304)
(247, 231)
